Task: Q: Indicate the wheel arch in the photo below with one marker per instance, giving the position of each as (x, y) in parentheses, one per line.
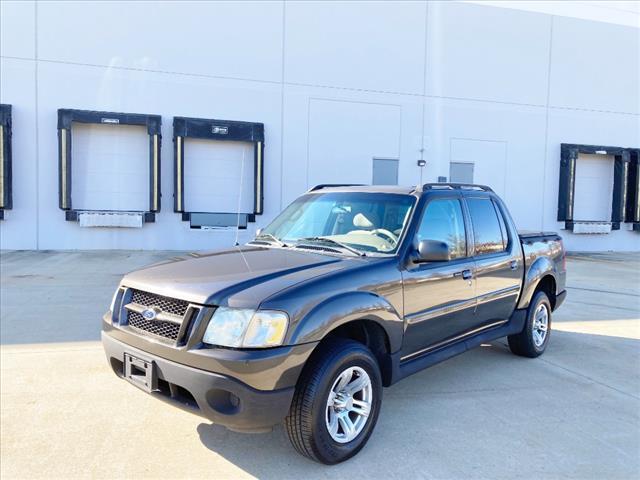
(541, 275)
(371, 334)
(547, 284)
(361, 316)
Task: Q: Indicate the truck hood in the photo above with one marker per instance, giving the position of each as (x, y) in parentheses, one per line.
(238, 277)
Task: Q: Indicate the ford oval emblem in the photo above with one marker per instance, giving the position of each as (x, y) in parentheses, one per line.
(150, 314)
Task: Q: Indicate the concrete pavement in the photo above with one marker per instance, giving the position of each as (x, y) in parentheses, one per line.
(573, 413)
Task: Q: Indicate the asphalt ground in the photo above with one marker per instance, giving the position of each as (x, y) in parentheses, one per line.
(572, 413)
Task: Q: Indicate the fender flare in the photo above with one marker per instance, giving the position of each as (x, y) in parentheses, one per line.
(541, 267)
(346, 307)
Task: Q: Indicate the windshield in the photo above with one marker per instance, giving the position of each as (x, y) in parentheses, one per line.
(365, 222)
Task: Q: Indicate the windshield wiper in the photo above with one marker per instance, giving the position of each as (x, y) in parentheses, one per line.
(273, 239)
(332, 242)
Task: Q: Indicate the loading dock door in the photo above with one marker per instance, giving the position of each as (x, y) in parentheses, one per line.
(101, 162)
(219, 167)
(218, 176)
(110, 167)
(593, 187)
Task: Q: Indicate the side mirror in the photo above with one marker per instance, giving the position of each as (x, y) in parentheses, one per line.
(432, 251)
(258, 232)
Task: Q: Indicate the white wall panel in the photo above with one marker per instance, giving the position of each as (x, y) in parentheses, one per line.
(332, 138)
(335, 83)
(97, 88)
(17, 29)
(241, 40)
(595, 66)
(362, 45)
(505, 142)
(624, 12)
(489, 158)
(344, 137)
(588, 128)
(19, 228)
(487, 53)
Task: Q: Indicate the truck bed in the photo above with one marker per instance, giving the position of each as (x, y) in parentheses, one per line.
(540, 244)
(528, 235)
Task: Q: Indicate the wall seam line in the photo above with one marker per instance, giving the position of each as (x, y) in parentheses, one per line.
(284, 33)
(545, 163)
(424, 85)
(345, 89)
(37, 127)
(308, 137)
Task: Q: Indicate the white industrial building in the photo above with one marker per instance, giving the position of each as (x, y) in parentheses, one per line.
(332, 92)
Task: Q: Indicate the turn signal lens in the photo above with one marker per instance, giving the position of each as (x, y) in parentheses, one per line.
(267, 329)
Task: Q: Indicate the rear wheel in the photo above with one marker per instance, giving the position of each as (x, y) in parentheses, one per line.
(533, 339)
(336, 403)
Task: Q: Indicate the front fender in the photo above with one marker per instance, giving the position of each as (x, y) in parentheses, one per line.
(344, 308)
(541, 267)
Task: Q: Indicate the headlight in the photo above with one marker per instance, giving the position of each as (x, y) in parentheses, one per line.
(239, 327)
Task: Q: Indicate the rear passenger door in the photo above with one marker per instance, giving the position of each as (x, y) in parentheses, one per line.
(498, 261)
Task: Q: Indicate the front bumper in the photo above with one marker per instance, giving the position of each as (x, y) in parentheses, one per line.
(220, 398)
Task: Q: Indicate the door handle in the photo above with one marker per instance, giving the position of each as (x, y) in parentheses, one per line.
(465, 274)
(513, 264)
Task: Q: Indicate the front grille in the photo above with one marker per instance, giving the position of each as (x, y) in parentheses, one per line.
(168, 330)
(166, 304)
(175, 309)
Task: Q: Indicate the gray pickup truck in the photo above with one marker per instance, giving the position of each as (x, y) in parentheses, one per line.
(351, 288)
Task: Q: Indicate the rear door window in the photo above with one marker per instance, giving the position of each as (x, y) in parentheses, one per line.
(487, 234)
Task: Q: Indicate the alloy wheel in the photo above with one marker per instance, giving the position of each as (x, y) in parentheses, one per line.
(540, 325)
(349, 404)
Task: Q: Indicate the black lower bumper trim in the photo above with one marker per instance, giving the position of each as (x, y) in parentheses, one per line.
(560, 298)
(219, 398)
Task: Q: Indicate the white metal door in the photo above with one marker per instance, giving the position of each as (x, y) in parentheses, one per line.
(110, 167)
(218, 176)
(593, 187)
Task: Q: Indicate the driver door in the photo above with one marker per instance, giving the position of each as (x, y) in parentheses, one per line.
(440, 297)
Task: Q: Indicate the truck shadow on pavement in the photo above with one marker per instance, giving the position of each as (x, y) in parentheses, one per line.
(449, 419)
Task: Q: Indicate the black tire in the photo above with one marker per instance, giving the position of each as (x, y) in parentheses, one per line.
(523, 343)
(305, 424)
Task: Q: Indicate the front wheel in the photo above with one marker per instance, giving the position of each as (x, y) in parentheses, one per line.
(336, 403)
(533, 339)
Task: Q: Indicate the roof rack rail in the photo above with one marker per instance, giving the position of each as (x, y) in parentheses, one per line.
(453, 186)
(327, 185)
